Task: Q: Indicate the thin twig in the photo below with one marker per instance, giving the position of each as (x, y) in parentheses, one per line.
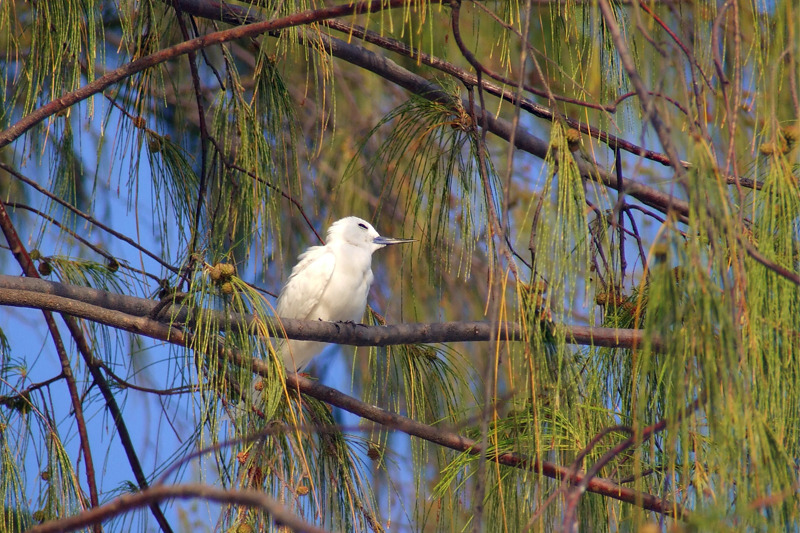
(96, 249)
(33, 387)
(638, 238)
(201, 118)
(644, 97)
(674, 37)
(184, 389)
(99, 251)
(87, 217)
(25, 261)
(619, 207)
(569, 512)
(496, 232)
(794, 277)
(230, 164)
(636, 438)
(494, 222)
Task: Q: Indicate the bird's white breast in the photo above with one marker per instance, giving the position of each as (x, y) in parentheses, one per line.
(345, 296)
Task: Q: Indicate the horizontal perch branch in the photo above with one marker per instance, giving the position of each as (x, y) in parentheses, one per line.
(113, 309)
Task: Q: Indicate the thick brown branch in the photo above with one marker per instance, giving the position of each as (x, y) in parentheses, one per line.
(153, 495)
(125, 312)
(129, 69)
(523, 139)
(454, 441)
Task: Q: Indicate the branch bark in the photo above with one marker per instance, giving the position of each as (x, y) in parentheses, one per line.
(129, 69)
(454, 441)
(523, 139)
(126, 312)
(151, 496)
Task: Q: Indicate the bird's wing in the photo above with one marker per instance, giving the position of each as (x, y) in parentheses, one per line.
(305, 286)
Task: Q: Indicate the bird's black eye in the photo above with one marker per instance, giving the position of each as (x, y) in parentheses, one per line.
(362, 225)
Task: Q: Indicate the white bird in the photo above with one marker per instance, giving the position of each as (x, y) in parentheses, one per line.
(330, 282)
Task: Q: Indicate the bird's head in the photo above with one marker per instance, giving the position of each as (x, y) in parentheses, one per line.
(353, 230)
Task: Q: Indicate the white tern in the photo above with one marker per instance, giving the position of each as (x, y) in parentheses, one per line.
(330, 282)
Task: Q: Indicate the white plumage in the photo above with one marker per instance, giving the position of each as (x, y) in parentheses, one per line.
(330, 282)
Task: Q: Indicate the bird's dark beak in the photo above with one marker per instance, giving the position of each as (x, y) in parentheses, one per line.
(385, 241)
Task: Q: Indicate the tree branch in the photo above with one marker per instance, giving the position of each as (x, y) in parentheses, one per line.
(125, 312)
(644, 94)
(523, 139)
(635, 438)
(153, 495)
(87, 217)
(201, 119)
(794, 277)
(469, 79)
(25, 261)
(353, 54)
(129, 69)
(454, 441)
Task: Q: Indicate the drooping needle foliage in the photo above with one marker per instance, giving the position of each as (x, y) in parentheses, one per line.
(606, 201)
